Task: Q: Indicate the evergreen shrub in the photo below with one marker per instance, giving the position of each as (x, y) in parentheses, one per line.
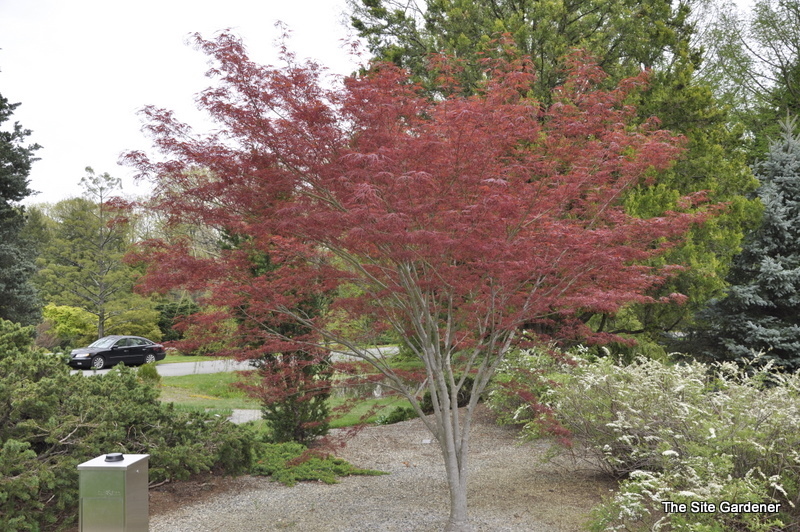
(149, 373)
(293, 390)
(291, 462)
(396, 415)
(51, 421)
(462, 398)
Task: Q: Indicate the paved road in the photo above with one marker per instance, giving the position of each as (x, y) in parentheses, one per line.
(193, 368)
(387, 350)
(186, 368)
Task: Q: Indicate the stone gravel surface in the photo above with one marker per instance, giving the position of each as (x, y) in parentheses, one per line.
(511, 489)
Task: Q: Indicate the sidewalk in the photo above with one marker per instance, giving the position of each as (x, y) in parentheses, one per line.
(243, 416)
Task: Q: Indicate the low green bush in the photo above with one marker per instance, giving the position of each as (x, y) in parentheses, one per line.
(396, 415)
(293, 389)
(149, 373)
(291, 462)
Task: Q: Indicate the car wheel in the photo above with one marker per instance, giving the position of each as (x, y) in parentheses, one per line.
(149, 358)
(98, 362)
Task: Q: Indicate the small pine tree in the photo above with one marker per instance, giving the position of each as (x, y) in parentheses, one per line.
(294, 389)
(760, 310)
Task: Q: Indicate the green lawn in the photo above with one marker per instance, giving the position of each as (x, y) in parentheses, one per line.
(171, 359)
(382, 406)
(214, 391)
(207, 390)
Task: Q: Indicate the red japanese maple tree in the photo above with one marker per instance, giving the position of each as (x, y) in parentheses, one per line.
(456, 221)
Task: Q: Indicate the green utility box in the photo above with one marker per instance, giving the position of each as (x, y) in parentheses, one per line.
(113, 493)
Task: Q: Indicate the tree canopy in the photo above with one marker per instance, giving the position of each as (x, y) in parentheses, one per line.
(754, 65)
(81, 262)
(18, 298)
(625, 38)
(460, 219)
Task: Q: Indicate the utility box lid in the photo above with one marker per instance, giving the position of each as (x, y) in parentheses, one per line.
(103, 462)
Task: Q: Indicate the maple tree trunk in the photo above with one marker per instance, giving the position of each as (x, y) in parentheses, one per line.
(453, 436)
(455, 460)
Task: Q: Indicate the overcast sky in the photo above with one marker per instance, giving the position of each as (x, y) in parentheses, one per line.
(82, 68)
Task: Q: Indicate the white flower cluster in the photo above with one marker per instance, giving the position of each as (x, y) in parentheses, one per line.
(686, 432)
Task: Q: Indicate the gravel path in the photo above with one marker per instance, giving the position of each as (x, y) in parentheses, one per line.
(511, 489)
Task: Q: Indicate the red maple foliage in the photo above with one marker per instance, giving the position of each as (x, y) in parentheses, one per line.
(454, 220)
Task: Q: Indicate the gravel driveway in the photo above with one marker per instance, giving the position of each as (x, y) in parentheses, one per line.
(511, 489)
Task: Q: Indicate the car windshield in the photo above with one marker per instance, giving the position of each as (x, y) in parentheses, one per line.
(108, 341)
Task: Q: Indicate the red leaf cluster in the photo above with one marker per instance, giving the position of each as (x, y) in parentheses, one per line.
(478, 214)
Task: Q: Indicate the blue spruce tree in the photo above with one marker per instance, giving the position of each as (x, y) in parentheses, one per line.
(761, 310)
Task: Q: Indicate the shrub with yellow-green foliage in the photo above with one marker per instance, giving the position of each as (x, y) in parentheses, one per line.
(69, 325)
(149, 373)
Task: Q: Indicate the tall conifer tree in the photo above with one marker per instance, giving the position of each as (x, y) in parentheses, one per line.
(81, 264)
(760, 310)
(18, 300)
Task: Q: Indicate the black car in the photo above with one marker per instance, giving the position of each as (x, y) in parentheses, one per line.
(111, 350)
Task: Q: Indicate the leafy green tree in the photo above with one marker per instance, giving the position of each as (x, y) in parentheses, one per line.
(36, 231)
(71, 326)
(720, 34)
(759, 311)
(625, 37)
(18, 298)
(754, 65)
(774, 41)
(715, 166)
(82, 264)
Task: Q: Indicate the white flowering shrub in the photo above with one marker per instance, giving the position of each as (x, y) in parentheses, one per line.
(524, 378)
(686, 433)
